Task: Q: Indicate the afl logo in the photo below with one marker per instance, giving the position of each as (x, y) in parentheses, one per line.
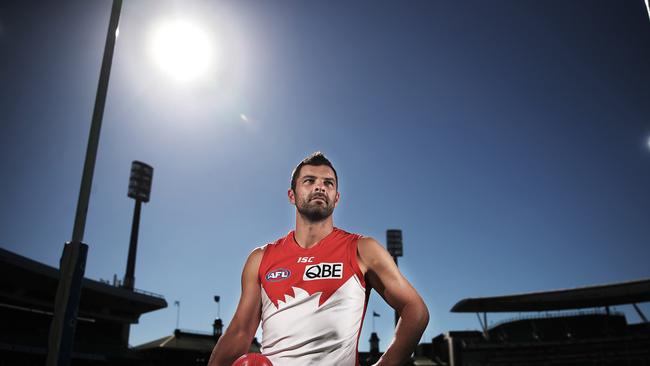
(278, 275)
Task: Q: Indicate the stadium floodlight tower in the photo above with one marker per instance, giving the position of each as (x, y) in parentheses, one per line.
(394, 243)
(395, 248)
(139, 190)
(217, 326)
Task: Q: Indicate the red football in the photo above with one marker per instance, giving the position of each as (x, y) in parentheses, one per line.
(252, 359)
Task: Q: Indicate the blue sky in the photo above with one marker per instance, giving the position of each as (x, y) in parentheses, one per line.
(507, 139)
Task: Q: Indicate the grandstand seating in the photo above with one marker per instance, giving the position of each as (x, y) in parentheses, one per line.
(579, 339)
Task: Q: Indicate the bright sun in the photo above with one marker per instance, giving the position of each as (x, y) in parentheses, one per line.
(182, 50)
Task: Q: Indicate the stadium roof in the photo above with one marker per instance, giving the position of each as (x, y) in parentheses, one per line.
(189, 340)
(576, 298)
(29, 284)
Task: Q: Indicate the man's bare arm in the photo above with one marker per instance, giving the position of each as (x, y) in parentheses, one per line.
(236, 340)
(384, 276)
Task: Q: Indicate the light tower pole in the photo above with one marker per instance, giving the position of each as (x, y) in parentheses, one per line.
(73, 261)
(395, 248)
(139, 190)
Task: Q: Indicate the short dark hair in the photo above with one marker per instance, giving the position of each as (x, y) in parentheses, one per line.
(317, 158)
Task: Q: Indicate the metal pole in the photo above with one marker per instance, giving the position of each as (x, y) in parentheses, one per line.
(396, 313)
(452, 349)
(129, 277)
(396, 249)
(638, 311)
(95, 127)
(487, 335)
(73, 260)
(178, 313)
(62, 328)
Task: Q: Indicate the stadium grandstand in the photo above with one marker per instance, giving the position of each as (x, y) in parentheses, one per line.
(580, 330)
(183, 347)
(106, 312)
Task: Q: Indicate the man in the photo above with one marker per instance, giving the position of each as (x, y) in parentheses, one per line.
(310, 288)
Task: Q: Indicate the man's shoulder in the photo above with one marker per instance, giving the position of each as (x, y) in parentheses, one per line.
(274, 244)
(368, 243)
(344, 233)
(282, 239)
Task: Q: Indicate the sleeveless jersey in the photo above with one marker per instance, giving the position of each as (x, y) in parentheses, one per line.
(313, 301)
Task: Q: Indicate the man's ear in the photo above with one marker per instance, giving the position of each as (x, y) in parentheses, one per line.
(291, 196)
(337, 198)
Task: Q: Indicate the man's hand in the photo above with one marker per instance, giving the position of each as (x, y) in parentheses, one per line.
(236, 340)
(384, 276)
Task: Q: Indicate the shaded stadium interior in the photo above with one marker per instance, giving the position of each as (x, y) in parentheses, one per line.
(580, 330)
(106, 312)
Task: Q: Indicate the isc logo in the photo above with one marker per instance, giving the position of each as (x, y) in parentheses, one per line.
(323, 271)
(277, 275)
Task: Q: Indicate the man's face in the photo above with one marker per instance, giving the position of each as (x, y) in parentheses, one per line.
(316, 192)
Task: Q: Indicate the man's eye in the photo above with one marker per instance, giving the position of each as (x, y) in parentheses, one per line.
(328, 183)
(309, 180)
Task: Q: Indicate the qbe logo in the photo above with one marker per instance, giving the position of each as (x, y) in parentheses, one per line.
(323, 271)
(277, 275)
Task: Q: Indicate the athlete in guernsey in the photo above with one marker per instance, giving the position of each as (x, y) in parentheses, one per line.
(309, 289)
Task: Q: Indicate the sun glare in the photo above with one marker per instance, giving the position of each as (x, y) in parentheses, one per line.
(182, 50)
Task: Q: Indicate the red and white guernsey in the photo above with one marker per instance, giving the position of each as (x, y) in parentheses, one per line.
(313, 301)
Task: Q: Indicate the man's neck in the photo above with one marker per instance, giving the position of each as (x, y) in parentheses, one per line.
(309, 233)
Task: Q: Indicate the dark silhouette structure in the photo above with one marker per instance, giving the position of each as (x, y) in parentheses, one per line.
(595, 337)
(184, 347)
(395, 247)
(106, 312)
(73, 260)
(140, 190)
(373, 356)
(27, 292)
